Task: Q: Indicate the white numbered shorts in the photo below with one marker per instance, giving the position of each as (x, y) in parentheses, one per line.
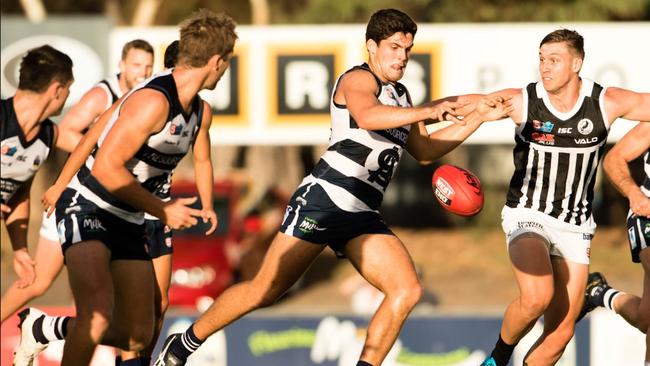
(48, 227)
(572, 244)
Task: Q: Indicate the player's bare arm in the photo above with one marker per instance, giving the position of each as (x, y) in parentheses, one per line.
(627, 104)
(80, 117)
(150, 109)
(631, 146)
(76, 159)
(427, 148)
(203, 169)
(357, 91)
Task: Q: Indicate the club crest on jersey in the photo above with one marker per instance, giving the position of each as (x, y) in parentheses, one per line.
(546, 127)
(8, 150)
(36, 163)
(585, 126)
(175, 129)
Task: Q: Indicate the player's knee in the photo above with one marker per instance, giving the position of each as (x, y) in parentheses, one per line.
(407, 296)
(533, 305)
(97, 322)
(140, 338)
(561, 336)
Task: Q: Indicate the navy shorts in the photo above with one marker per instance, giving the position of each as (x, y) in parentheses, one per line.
(158, 238)
(312, 216)
(638, 233)
(79, 219)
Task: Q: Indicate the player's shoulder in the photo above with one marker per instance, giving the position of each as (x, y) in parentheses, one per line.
(359, 78)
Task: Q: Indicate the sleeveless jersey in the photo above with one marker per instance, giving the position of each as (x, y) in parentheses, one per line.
(154, 162)
(111, 85)
(20, 158)
(645, 187)
(557, 154)
(358, 164)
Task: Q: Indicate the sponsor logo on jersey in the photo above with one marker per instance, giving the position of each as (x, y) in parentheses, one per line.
(543, 138)
(8, 150)
(399, 134)
(546, 127)
(565, 130)
(585, 141)
(585, 126)
(308, 225)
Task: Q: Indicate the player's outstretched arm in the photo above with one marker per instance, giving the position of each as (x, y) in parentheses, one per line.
(631, 146)
(203, 169)
(76, 160)
(143, 113)
(427, 148)
(80, 117)
(357, 90)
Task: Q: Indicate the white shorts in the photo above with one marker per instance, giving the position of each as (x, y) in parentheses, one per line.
(572, 245)
(48, 227)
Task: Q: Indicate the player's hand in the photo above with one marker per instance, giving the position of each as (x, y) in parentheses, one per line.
(448, 111)
(24, 266)
(4, 210)
(178, 216)
(50, 197)
(640, 204)
(494, 108)
(210, 215)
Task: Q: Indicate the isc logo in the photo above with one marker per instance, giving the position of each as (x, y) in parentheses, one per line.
(564, 130)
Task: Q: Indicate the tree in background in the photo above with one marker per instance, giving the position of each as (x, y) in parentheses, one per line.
(169, 12)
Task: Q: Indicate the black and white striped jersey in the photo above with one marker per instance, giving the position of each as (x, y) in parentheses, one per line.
(154, 162)
(111, 86)
(20, 158)
(645, 187)
(557, 154)
(358, 164)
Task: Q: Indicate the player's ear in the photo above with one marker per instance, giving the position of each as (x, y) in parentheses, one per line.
(577, 64)
(371, 45)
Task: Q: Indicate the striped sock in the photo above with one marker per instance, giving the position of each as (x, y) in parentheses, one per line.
(608, 298)
(50, 328)
(186, 344)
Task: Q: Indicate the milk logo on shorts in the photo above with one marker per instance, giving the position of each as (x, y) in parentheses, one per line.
(93, 224)
(585, 126)
(308, 225)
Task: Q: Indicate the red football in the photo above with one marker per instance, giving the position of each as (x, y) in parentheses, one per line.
(458, 190)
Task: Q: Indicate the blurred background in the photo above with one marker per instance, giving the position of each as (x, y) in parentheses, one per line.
(272, 123)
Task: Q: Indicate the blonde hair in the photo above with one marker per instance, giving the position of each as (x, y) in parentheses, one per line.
(205, 34)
